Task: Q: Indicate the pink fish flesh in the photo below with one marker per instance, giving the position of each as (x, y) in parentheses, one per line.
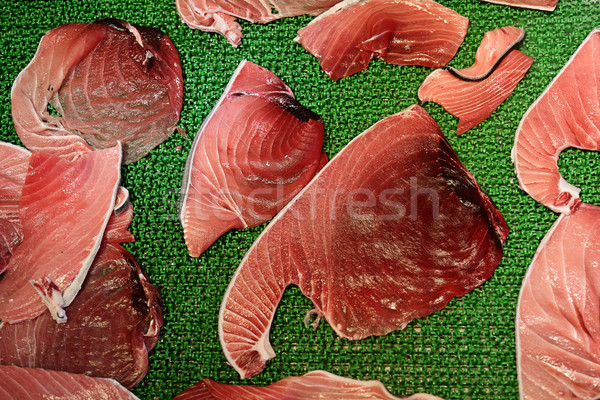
(254, 152)
(220, 15)
(390, 230)
(557, 315)
(64, 209)
(545, 5)
(567, 114)
(34, 384)
(109, 80)
(471, 99)
(404, 32)
(315, 385)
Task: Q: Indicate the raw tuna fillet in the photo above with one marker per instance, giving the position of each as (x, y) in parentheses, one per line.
(258, 147)
(472, 94)
(567, 114)
(390, 230)
(405, 32)
(113, 323)
(557, 316)
(34, 384)
(109, 81)
(64, 209)
(220, 15)
(317, 385)
(14, 162)
(546, 5)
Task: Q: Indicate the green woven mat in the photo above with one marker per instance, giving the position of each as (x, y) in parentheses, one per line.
(465, 351)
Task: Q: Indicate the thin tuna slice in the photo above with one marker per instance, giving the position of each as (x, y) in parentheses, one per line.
(557, 316)
(316, 385)
(34, 384)
(113, 323)
(110, 81)
(64, 209)
(14, 163)
(567, 114)
(220, 15)
(404, 32)
(545, 5)
(254, 152)
(472, 94)
(390, 230)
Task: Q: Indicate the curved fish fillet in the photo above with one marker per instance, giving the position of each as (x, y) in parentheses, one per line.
(109, 80)
(567, 114)
(404, 32)
(14, 162)
(315, 385)
(557, 316)
(258, 147)
(113, 323)
(473, 101)
(64, 209)
(390, 230)
(220, 15)
(33, 384)
(545, 5)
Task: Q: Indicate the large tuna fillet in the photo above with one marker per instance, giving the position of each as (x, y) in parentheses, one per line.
(113, 322)
(404, 32)
(64, 209)
(390, 230)
(545, 5)
(258, 147)
(34, 384)
(316, 385)
(220, 15)
(108, 80)
(557, 316)
(472, 94)
(14, 163)
(567, 114)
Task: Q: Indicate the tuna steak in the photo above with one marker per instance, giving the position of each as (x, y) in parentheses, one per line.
(316, 385)
(390, 230)
(545, 5)
(567, 114)
(404, 32)
(14, 163)
(557, 316)
(110, 81)
(34, 384)
(64, 209)
(113, 322)
(220, 15)
(472, 94)
(258, 147)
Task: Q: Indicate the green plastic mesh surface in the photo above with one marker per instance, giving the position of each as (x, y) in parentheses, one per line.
(465, 351)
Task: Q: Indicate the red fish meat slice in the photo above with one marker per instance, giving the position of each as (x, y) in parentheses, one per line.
(34, 384)
(405, 32)
(14, 162)
(546, 5)
(557, 315)
(113, 323)
(64, 209)
(258, 147)
(315, 385)
(220, 15)
(390, 230)
(567, 114)
(474, 101)
(110, 81)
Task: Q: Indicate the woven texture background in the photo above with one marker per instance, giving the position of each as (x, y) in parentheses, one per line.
(465, 351)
